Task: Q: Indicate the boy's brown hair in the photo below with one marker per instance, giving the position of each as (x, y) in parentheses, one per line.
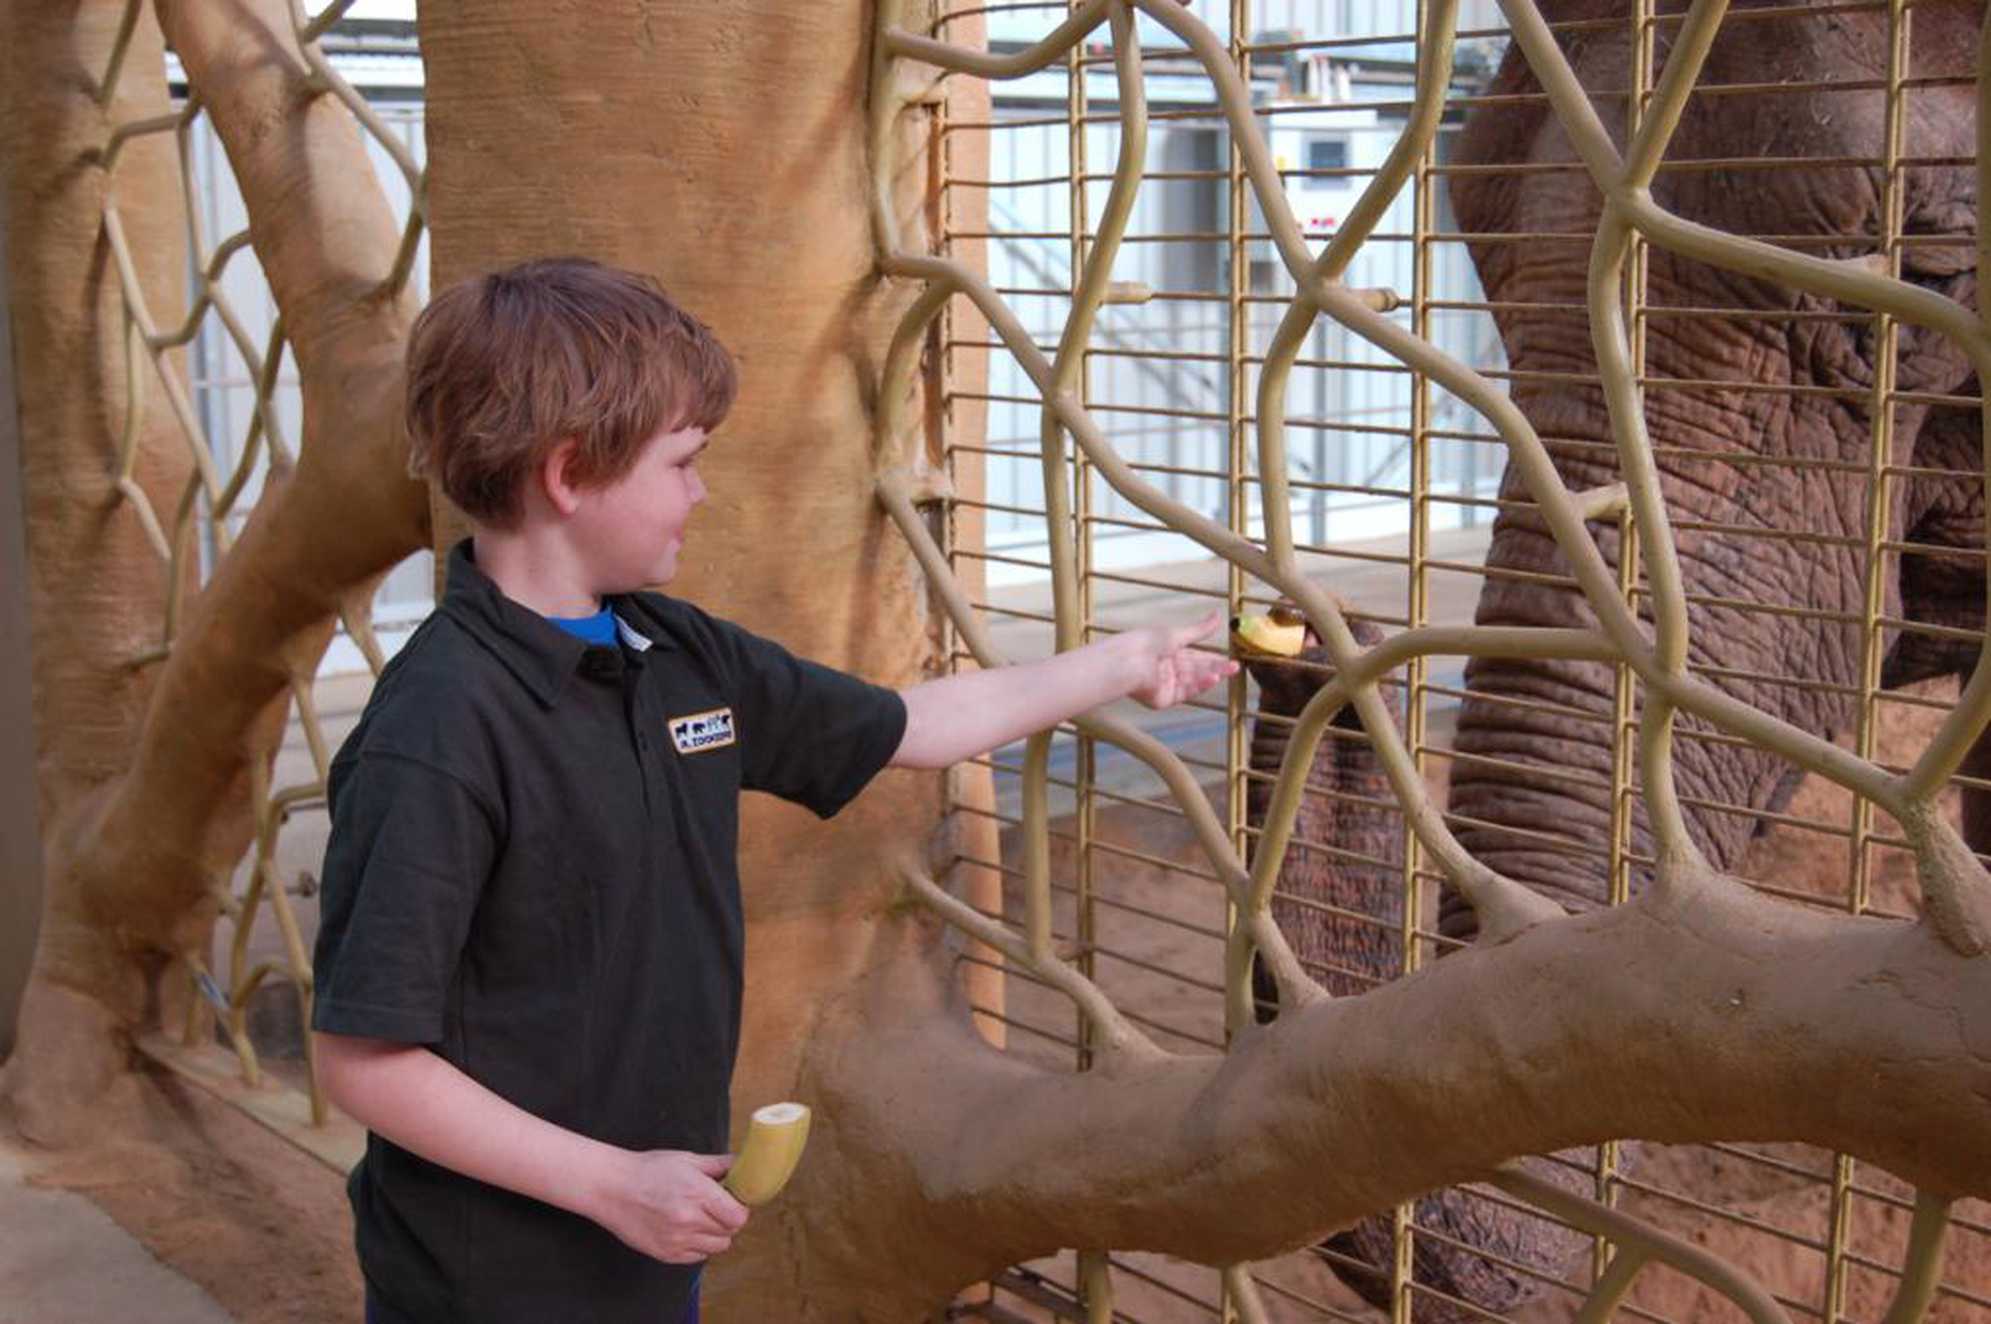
(503, 367)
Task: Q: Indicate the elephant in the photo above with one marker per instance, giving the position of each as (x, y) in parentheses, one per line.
(1782, 446)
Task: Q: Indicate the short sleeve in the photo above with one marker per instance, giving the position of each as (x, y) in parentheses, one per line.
(807, 732)
(410, 849)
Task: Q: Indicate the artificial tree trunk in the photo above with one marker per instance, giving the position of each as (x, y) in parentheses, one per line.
(146, 772)
(96, 588)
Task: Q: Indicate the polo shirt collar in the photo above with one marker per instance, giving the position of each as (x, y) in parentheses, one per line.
(538, 652)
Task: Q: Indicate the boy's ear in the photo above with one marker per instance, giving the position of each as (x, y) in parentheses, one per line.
(563, 495)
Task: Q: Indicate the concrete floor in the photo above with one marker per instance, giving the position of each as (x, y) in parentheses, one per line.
(63, 1261)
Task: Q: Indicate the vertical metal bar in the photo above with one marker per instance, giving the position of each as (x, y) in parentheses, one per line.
(1095, 1280)
(1237, 509)
(1886, 346)
(1624, 743)
(1404, 1234)
(1085, 915)
(943, 244)
(949, 531)
(1417, 605)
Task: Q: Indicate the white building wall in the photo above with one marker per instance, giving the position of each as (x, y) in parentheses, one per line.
(1319, 19)
(1348, 404)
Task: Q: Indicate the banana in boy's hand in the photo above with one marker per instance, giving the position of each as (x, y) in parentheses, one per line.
(773, 1147)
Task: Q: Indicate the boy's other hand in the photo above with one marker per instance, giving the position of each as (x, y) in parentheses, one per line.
(1170, 670)
(669, 1205)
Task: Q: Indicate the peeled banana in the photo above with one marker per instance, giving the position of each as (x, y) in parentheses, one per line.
(775, 1137)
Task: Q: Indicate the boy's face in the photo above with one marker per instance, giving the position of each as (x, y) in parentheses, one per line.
(631, 530)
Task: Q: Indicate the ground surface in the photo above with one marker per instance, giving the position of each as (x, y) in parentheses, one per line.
(63, 1261)
(248, 1224)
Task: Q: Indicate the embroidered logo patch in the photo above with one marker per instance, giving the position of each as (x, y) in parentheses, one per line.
(702, 731)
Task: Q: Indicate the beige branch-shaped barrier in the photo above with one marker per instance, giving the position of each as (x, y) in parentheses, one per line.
(1958, 905)
(264, 442)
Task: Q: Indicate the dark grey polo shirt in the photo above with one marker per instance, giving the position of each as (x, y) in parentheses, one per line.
(532, 872)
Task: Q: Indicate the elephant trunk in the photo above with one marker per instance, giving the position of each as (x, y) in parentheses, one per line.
(1532, 781)
(1532, 774)
(1340, 895)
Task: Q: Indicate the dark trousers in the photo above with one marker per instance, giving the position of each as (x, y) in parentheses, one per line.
(379, 1312)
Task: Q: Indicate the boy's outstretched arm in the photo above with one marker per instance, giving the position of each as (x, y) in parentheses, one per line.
(958, 717)
(668, 1204)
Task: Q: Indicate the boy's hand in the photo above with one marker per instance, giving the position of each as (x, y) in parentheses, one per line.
(669, 1205)
(1170, 671)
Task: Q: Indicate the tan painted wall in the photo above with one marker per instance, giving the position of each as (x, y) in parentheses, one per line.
(722, 148)
(20, 824)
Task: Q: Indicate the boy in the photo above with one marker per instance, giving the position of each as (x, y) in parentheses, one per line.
(528, 966)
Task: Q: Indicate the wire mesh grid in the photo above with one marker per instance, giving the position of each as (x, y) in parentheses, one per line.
(1391, 510)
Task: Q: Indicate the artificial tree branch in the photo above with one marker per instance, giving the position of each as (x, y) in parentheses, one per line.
(1723, 1016)
(345, 514)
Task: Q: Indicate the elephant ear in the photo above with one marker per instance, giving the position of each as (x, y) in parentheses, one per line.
(1942, 123)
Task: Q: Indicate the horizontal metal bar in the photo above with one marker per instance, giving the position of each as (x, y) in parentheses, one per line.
(1187, 926)
(1142, 963)
(1319, 1308)
(970, 554)
(1154, 861)
(1776, 1164)
(1101, 407)
(1005, 7)
(1750, 1221)
(1062, 1040)
(1142, 581)
(1504, 700)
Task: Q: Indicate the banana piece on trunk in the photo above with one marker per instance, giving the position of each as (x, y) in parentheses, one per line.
(1282, 632)
(775, 1137)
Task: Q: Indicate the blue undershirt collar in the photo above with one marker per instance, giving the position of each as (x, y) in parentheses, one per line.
(598, 629)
